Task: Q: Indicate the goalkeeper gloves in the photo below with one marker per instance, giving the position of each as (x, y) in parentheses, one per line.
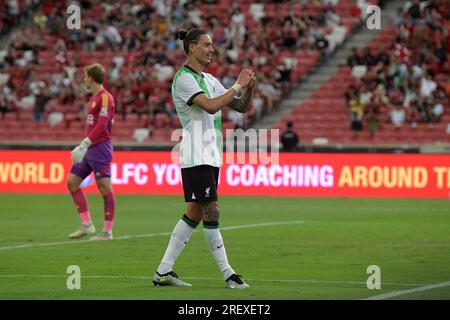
(79, 151)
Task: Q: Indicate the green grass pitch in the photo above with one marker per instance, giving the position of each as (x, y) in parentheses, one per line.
(286, 248)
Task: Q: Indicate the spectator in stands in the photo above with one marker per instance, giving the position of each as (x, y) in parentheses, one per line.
(437, 111)
(67, 94)
(236, 15)
(257, 11)
(332, 19)
(194, 14)
(140, 106)
(414, 10)
(250, 116)
(147, 30)
(236, 118)
(427, 85)
(321, 43)
(356, 116)
(380, 99)
(399, 17)
(9, 59)
(228, 79)
(71, 70)
(158, 102)
(258, 104)
(3, 104)
(289, 138)
(40, 19)
(355, 58)
(398, 116)
(39, 106)
(90, 32)
(368, 59)
(112, 36)
(351, 93)
(382, 56)
(365, 95)
(114, 74)
(373, 122)
(55, 22)
(425, 107)
(12, 11)
(35, 84)
(284, 74)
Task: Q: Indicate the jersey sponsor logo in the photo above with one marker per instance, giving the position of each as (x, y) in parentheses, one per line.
(104, 112)
(90, 119)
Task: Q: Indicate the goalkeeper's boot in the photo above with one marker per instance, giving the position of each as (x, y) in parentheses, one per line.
(83, 230)
(168, 279)
(104, 235)
(235, 282)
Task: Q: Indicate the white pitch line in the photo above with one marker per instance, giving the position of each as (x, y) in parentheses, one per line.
(202, 278)
(403, 292)
(149, 235)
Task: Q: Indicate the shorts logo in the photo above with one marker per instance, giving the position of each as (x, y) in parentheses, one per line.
(207, 192)
(193, 196)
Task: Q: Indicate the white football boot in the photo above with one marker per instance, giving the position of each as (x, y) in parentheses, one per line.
(83, 230)
(235, 282)
(168, 279)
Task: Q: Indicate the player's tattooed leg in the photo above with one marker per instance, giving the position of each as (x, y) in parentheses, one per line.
(211, 212)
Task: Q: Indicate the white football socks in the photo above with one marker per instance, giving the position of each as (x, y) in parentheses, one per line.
(178, 241)
(215, 243)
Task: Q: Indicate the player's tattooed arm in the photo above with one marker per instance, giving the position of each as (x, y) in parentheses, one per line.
(242, 104)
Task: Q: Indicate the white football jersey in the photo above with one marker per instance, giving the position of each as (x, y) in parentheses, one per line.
(202, 135)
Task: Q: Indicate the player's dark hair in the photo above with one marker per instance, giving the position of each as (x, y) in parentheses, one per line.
(96, 71)
(191, 36)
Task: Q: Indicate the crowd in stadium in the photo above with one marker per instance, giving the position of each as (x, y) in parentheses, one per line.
(41, 65)
(406, 83)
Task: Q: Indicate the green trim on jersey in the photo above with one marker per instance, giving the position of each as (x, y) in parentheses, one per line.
(202, 84)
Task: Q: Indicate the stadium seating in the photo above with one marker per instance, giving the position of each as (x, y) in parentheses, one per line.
(305, 61)
(326, 114)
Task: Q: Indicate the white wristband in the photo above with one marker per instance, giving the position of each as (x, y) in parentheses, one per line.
(237, 87)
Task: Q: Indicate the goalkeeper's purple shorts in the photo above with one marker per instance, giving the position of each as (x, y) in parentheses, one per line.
(97, 159)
